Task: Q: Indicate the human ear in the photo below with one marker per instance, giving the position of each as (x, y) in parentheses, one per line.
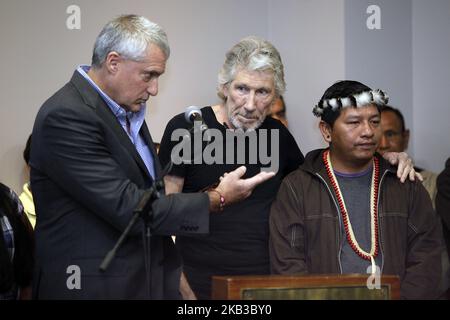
(326, 130)
(112, 62)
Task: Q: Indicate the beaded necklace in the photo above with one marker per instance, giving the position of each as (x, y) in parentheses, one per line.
(374, 190)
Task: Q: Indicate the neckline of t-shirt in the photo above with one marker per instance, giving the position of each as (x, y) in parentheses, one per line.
(212, 114)
(354, 175)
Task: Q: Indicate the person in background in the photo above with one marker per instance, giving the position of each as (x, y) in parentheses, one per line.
(443, 210)
(443, 201)
(16, 248)
(26, 197)
(278, 111)
(395, 138)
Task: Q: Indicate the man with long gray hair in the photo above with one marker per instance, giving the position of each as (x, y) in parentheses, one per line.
(93, 163)
(251, 78)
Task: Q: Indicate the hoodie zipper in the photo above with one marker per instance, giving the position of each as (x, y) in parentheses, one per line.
(339, 241)
(340, 222)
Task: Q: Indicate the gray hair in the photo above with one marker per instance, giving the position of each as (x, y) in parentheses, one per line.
(252, 54)
(129, 36)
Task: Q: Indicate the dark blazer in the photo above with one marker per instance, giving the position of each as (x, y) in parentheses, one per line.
(87, 178)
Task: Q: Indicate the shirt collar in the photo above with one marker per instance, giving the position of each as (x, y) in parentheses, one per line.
(117, 110)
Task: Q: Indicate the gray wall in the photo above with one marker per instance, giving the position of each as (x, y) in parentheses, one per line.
(310, 37)
(409, 57)
(320, 41)
(431, 83)
(382, 58)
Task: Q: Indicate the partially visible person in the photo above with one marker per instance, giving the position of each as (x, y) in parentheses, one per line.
(26, 197)
(344, 211)
(278, 111)
(395, 138)
(16, 248)
(251, 79)
(443, 202)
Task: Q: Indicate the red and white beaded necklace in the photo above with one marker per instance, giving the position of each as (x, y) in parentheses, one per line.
(374, 248)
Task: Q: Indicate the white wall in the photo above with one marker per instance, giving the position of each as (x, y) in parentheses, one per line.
(39, 55)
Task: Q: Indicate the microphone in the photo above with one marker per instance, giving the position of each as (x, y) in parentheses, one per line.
(193, 114)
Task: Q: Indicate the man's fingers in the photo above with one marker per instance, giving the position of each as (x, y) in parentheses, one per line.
(403, 177)
(392, 157)
(392, 160)
(405, 166)
(412, 174)
(239, 172)
(403, 157)
(406, 170)
(418, 176)
(258, 179)
(401, 169)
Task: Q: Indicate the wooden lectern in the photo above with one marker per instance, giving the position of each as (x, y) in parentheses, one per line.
(305, 287)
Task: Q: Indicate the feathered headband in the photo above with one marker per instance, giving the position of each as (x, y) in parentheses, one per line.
(362, 99)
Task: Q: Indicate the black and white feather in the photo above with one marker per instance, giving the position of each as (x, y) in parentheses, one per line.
(377, 97)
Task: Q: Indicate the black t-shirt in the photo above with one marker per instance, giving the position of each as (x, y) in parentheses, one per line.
(238, 239)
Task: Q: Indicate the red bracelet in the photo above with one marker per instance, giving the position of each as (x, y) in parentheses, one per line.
(221, 201)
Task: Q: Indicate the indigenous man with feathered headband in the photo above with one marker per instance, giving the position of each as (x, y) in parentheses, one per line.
(344, 210)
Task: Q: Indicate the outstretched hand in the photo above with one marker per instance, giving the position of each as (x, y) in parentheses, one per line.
(235, 189)
(405, 165)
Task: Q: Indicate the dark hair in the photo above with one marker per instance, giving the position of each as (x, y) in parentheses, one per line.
(282, 101)
(21, 268)
(340, 89)
(283, 110)
(26, 151)
(397, 113)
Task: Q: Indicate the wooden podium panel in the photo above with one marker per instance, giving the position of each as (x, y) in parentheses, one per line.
(304, 287)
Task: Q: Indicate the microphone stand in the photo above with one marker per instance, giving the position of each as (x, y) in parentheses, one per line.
(144, 211)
